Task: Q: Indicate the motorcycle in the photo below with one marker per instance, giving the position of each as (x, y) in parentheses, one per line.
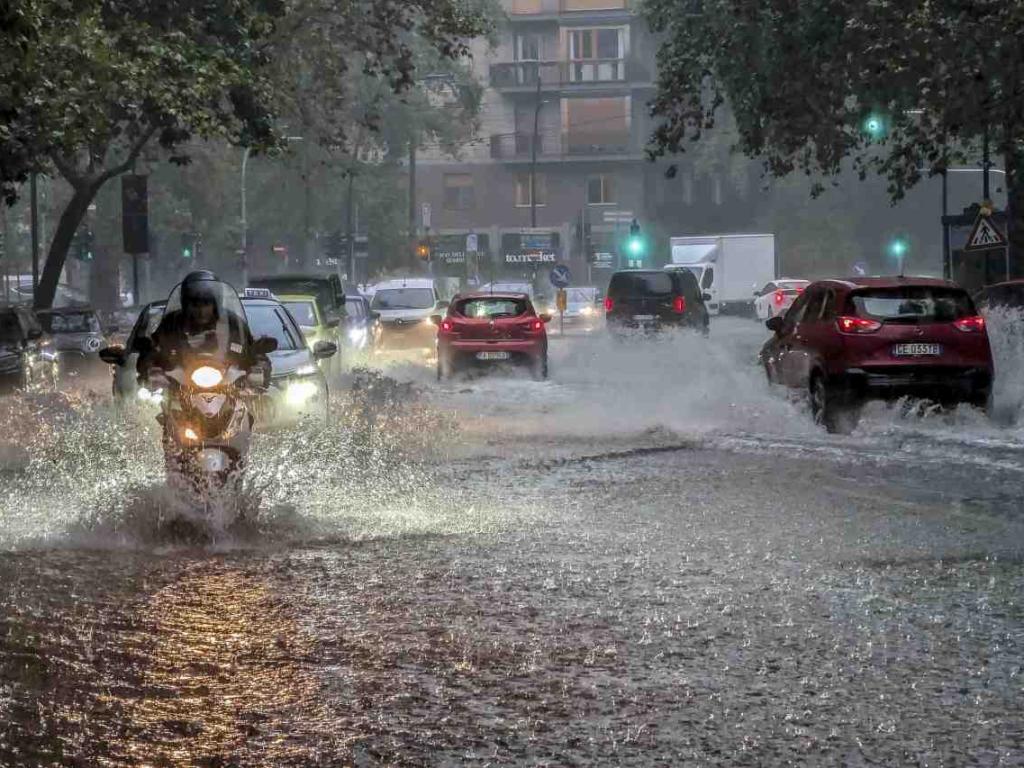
(207, 420)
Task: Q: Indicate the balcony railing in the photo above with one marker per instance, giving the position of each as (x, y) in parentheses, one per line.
(527, 8)
(556, 74)
(517, 146)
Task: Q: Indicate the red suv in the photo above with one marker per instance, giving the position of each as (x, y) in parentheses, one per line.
(848, 341)
(485, 328)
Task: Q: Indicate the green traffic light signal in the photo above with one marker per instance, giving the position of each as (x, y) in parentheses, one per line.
(898, 248)
(635, 246)
(874, 126)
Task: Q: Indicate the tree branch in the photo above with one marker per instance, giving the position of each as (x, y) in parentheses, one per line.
(130, 158)
(67, 169)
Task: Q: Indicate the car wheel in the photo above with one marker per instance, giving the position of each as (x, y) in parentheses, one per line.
(832, 408)
(539, 367)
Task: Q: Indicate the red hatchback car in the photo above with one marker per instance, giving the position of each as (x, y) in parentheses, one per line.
(487, 328)
(848, 341)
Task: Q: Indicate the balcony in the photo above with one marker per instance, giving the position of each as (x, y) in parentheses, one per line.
(555, 75)
(533, 9)
(517, 147)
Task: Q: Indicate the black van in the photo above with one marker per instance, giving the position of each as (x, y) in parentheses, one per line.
(329, 292)
(652, 300)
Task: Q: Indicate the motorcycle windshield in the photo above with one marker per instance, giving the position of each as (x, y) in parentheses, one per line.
(210, 320)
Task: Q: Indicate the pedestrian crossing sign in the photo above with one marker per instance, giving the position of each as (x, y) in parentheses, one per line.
(984, 235)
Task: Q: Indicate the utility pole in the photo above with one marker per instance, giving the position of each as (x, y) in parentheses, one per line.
(349, 234)
(984, 165)
(34, 194)
(947, 265)
(412, 198)
(245, 224)
(533, 156)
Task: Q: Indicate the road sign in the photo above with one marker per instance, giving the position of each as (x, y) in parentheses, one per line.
(614, 217)
(984, 235)
(560, 276)
(425, 211)
(860, 269)
(471, 243)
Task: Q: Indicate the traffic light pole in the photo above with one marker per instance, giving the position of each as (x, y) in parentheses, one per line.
(34, 194)
(245, 224)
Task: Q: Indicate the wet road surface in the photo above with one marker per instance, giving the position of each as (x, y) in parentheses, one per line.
(651, 559)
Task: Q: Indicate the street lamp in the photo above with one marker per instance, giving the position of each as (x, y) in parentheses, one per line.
(245, 223)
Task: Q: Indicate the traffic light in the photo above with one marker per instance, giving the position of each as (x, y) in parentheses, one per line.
(187, 246)
(874, 126)
(423, 250)
(636, 246)
(82, 245)
(898, 247)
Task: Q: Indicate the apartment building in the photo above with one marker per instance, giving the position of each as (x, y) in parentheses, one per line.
(566, 92)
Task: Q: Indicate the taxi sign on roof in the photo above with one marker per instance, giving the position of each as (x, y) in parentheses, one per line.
(257, 293)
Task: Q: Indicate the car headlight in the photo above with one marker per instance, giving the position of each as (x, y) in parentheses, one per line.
(306, 370)
(207, 376)
(300, 392)
(356, 335)
(587, 311)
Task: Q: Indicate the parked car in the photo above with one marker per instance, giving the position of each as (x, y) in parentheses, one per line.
(654, 300)
(26, 358)
(849, 341)
(777, 297)
(481, 329)
(405, 307)
(362, 324)
(76, 337)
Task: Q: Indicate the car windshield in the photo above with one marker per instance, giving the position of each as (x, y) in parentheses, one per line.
(69, 322)
(912, 304)
(10, 329)
(641, 284)
(303, 311)
(403, 298)
(492, 309)
(272, 320)
(581, 295)
(355, 307)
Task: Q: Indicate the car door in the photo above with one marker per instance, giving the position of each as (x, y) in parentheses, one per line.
(761, 302)
(802, 353)
(782, 353)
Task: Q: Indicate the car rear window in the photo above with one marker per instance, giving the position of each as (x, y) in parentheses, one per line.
(355, 307)
(641, 284)
(403, 298)
(491, 308)
(912, 304)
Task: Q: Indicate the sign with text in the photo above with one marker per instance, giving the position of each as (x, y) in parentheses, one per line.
(530, 248)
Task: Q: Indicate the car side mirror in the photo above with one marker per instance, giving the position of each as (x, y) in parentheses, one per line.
(113, 355)
(264, 345)
(774, 324)
(545, 316)
(324, 349)
(706, 296)
(436, 319)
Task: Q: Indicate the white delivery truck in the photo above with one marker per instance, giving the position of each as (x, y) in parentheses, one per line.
(731, 268)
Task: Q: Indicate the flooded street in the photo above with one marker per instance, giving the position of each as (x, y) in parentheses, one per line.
(650, 559)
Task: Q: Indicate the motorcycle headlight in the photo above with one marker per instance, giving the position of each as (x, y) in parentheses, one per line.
(147, 395)
(207, 376)
(300, 392)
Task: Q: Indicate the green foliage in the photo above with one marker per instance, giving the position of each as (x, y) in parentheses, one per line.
(802, 79)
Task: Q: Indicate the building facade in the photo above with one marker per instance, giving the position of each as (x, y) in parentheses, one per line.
(557, 169)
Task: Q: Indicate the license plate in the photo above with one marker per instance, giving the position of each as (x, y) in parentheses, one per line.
(643, 318)
(916, 350)
(492, 355)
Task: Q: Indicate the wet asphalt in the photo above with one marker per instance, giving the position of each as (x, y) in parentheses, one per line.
(651, 559)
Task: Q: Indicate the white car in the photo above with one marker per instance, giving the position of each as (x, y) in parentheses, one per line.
(777, 297)
(405, 307)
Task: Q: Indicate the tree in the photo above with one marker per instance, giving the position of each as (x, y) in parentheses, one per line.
(895, 87)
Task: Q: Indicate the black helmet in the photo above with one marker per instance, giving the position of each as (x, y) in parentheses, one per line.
(200, 287)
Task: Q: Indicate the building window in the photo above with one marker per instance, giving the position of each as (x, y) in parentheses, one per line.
(596, 126)
(600, 190)
(523, 189)
(458, 191)
(596, 55)
(528, 47)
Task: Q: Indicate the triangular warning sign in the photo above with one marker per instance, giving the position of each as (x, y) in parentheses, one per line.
(984, 235)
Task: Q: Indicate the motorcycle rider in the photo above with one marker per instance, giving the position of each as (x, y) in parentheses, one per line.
(198, 327)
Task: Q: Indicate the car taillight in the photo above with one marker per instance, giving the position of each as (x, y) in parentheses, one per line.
(849, 324)
(970, 324)
(447, 326)
(537, 325)
(609, 305)
(679, 305)
(779, 297)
